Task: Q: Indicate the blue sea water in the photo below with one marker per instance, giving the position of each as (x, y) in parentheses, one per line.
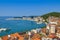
(18, 26)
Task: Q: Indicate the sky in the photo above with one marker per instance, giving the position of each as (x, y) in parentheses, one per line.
(28, 7)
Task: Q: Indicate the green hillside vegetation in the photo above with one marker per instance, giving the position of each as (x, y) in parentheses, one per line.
(55, 14)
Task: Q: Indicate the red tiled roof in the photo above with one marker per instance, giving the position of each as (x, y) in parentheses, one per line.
(52, 35)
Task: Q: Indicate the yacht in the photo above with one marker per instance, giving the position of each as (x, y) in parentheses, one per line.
(3, 29)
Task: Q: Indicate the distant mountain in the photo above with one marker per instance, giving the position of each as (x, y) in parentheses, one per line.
(55, 14)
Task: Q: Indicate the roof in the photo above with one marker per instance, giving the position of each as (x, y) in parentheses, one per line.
(52, 35)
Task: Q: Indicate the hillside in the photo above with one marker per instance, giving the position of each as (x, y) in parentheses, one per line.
(55, 14)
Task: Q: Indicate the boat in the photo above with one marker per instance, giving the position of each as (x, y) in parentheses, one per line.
(3, 29)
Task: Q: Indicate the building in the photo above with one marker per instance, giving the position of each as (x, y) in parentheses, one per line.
(0, 38)
(58, 32)
(46, 38)
(51, 26)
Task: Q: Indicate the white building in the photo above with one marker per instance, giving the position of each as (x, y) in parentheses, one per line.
(52, 24)
(58, 32)
(52, 29)
(58, 35)
(0, 38)
(24, 18)
(38, 19)
(45, 38)
(34, 31)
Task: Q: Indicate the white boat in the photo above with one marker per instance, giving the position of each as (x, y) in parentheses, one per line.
(3, 29)
(39, 22)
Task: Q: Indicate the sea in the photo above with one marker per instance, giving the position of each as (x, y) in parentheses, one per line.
(14, 26)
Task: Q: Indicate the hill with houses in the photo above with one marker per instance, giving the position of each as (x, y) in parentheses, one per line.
(55, 14)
